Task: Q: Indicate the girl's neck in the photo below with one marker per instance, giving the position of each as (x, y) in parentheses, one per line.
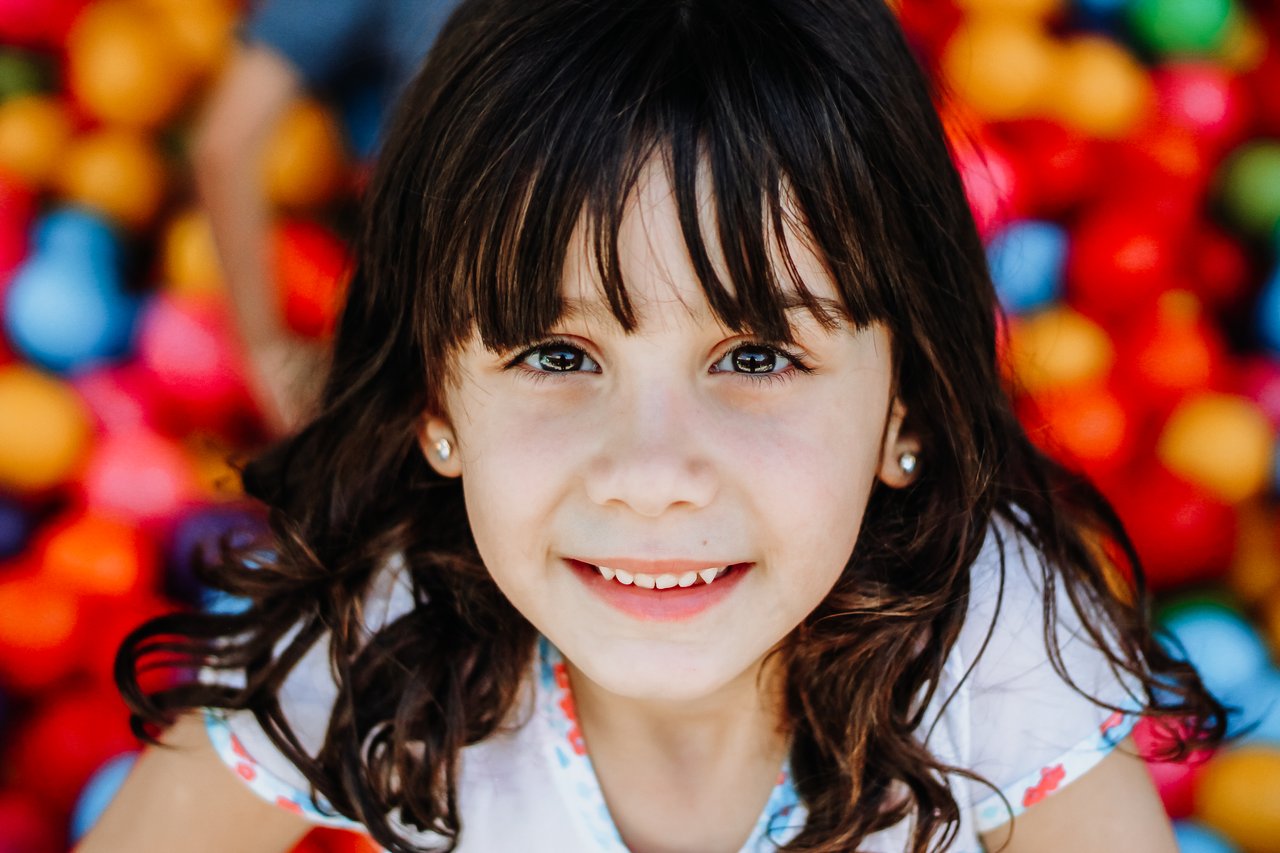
(690, 775)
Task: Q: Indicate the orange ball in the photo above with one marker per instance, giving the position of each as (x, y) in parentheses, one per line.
(1088, 425)
(1255, 568)
(1058, 348)
(311, 269)
(202, 30)
(1012, 8)
(38, 634)
(116, 171)
(33, 132)
(1220, 442)
(94, 555)
(189, 256)
(304, 163)
(44, 430)
(1238, 794)
(124, 67)
(1099, 89)
(1000, 66)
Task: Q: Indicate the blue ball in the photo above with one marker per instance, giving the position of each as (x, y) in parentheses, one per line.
(1258, 716)
(1220, 643)
(98, 793)
(15, 527)
(1268, 313)
(1194, 838)
(66, 309)
(1026, 260)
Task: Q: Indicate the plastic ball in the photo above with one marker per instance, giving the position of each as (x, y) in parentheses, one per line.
(1220, 441)
(1169, 351)
(17, 207)
(33, 133)
(37, 23)
(1000, 66)
(303, 163)
(202, 30)
(1220, 642)
(123, 67)
(26, 825)
(198, 540)
(1058, 348)
(116, 171)
(1182, 532)
(311, 268)
(1026, 260)
(1258, 717)
(1183, 27)
(39, 632)
(139, 477)
(1250, 186)
(94, 555)
(70, 735)
(15, 528)
(1086, 426)
(1121, 259)
(1239, 796)
(1098, 88)
(44, 430)
(189, 256)
(990, 183)
(187, 345)
(119, 398)
(108, 620)
(1174, 780)
(1255, 569)
(1220, 268)
(1204, 99)
(21, 73)
(1059, 167)
(1194, 838)
(98, 793)
(1267, 313)
(1271, 621)
(1012, 8)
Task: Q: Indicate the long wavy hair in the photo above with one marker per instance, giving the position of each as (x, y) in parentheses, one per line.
(529, 118)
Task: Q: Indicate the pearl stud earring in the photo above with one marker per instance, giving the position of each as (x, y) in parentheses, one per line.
(443, 449)
(907, 461)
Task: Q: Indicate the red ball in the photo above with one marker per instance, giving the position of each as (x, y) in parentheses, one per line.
(1259, 380)
(120, 397)
(311, 268)
(109, 621)
(1261, 83)
(188, 348)
(1183, 534)
(1088, 427)
(1220, 271)
(69, 736)
(1057, 167)
(1175, 781)
(1169, 351)
(139, 477)
(26, 826)
(40, 633)
(38, 23)
(17, 207)
(990, 182)
(1204, 99)
(1120, 259)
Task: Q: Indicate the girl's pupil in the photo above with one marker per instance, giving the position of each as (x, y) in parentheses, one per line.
(754, 360)
(560, 359)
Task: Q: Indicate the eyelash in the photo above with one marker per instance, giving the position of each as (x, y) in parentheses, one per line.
(797, 362)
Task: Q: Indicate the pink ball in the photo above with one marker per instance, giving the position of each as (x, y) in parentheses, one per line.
(1205, 99)
(1175, 781)
(186, 344)
(120, 398)
(139, 476)
(1259, 380)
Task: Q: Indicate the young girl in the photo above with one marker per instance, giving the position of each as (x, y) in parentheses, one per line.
(663, 495)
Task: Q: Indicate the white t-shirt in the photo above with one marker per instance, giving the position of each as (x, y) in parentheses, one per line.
(1013, 720)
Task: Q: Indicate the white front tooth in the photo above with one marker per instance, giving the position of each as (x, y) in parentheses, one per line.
(624, 577)
(645, 581)
(708, 575)
(666, 581)
(688, 579)
(607, 572)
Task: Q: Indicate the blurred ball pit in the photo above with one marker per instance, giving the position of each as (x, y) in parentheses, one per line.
(44, 430)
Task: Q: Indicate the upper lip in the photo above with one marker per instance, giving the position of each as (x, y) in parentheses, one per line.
(655, 567)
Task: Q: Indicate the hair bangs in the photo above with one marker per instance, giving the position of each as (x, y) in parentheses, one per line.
(739, 116)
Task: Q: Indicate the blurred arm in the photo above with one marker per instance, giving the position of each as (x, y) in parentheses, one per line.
(183, 797)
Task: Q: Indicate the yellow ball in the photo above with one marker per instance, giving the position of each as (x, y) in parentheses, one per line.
(202, 30)
(116, 171)
(1099, 89)
(1255, 569)
(304, 164)
(1220, 441)
(1238, 794)
(124, 67)
(33, 132)
(1019, 8)
(189, 256)
(1057, 348)
(44, 430)
(999, 66)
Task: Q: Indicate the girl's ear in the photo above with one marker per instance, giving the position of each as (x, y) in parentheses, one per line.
(440, 446)
(900, 456)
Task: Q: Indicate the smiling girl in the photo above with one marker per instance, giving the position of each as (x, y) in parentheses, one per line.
(663, 495)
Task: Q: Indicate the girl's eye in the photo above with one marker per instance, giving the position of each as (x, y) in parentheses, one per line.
(556, 357)
(759, 360)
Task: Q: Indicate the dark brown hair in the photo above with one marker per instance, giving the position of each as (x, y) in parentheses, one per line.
(530, 117)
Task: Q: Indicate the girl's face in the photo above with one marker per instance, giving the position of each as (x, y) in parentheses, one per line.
(680, 448)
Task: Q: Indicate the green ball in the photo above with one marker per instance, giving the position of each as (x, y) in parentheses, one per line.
(1250, 187)
(1183, 27)
(21, 73)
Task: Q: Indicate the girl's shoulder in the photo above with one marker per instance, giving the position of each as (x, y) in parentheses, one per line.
(1026, 725)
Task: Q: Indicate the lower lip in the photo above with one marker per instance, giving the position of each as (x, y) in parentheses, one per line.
(660, 605)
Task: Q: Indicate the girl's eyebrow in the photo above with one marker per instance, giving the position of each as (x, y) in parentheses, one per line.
(595, 310)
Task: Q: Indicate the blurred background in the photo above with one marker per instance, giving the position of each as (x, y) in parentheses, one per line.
(177, 181)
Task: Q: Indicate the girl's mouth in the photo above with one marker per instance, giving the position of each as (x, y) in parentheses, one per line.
(678, 593)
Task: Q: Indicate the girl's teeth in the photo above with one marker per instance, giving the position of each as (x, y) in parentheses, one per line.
(624, 577)
(666, 581)
(688, 579)
(645, 581)
(708, 575)
(607, 572)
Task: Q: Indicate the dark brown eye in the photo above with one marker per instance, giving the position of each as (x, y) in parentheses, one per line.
(559, 359)
(754, 359)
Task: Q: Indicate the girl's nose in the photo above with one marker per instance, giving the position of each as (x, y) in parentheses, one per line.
(652, 457)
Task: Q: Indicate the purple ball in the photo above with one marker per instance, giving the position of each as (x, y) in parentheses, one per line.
(199, 537)
(15, 528)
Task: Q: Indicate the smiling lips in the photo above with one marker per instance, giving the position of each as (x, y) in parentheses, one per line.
(658, 590)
